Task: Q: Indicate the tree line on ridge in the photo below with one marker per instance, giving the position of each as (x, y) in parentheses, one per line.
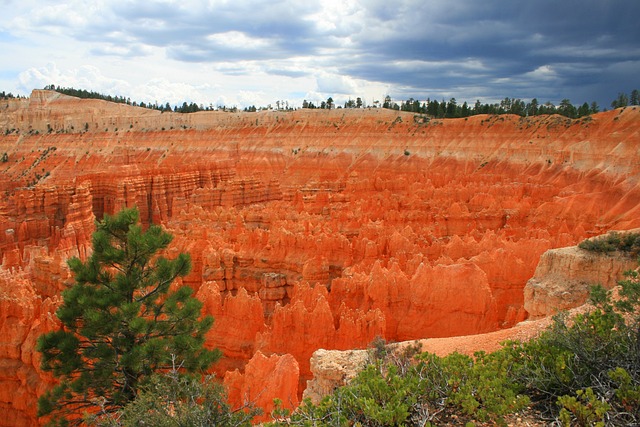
(433, 108)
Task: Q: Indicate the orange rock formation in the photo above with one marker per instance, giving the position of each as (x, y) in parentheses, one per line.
(307, 229)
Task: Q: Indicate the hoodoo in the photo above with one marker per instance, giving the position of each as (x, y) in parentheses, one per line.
(307, 229)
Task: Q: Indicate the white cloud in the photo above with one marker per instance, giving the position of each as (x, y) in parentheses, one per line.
(238, 40)
(122, 50)
(86, 77)
(338, 17)
(66, 18)
(544, 73)
(336, 84)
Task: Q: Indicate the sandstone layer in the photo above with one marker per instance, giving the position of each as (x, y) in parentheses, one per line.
(307, 229)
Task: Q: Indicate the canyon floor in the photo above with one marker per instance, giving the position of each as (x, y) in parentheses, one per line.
(311, 229)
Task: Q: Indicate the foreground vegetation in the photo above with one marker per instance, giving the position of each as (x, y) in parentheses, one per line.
(583, 371)
(626, 243)
(174, 399)
(130, 352)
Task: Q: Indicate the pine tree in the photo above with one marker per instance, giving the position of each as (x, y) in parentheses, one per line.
(121, 322)
(621, 101)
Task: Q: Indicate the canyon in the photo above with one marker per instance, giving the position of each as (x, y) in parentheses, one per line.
(307, 229)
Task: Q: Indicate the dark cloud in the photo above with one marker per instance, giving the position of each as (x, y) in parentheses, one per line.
(583, 44)
(186, 30)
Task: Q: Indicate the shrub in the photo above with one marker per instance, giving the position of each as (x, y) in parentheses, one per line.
(397, 389)
(585, 409)
(628, 243)
(592, 356)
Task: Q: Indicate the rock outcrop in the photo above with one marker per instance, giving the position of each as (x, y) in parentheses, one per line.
(564, 277)
(332, 369)
(307, 229)
(264, 378)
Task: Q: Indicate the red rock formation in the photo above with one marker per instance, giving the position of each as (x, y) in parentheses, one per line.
(263, 378)
(23, 317)
(307, 229)
(236, 324)
(307, 323)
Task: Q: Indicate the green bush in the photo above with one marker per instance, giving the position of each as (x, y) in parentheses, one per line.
(431, 390)
(595, 356)
(585, 409)
(628, 243)
(481, 388)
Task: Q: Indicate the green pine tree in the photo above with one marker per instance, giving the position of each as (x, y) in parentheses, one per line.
(121, 322)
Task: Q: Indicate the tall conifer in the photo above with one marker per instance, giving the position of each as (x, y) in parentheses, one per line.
(121, 322)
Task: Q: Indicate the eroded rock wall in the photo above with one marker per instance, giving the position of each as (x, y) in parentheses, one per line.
(307, 229)
(564, 277)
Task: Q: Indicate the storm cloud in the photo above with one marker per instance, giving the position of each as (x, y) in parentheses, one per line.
(586, 50)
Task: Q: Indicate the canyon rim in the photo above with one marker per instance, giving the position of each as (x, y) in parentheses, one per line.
(307, 229)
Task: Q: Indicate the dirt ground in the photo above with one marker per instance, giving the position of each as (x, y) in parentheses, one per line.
(491, 341)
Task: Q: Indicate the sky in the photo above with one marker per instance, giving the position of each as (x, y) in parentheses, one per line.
(242, 53)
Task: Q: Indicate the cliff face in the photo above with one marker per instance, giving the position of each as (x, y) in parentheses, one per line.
(564, 277)
(307, 229)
